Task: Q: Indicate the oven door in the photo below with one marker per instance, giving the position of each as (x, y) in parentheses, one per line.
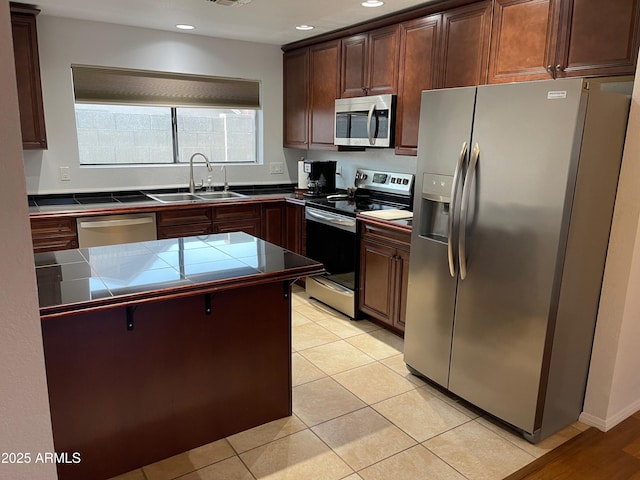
(331, 239)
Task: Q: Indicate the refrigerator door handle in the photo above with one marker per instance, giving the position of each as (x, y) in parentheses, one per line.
(455, 185)
(369, 118)
(464, 210)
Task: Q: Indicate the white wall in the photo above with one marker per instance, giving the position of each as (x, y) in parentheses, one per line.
(613, 389)
(372, 158)
(65, 41)
(25, 424)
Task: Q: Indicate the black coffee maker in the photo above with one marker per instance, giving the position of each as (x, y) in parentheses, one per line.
(321, 177)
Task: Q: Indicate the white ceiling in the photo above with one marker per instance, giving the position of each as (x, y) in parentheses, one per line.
(264, 21)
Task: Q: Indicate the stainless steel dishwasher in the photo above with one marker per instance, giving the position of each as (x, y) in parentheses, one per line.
(116, 229)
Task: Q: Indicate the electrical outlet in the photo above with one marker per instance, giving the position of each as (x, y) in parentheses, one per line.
(276, 167)
(65, 176)
(339, 170)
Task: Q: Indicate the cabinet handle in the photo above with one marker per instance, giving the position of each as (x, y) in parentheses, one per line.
(130, 311)
(559, 68)
(549, 69)
(207, 304)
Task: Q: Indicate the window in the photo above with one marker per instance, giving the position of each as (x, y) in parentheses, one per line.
(134, 117)
(223, 135)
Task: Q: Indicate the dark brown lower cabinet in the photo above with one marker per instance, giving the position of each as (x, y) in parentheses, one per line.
(237, 218)
(384, 274)
(175, 223)
(295, 231)
(249, 225)
(179, 378)
(273, 223)
(50, 234)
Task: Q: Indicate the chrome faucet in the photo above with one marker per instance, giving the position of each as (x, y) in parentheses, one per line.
(192, 184)
(226, 185)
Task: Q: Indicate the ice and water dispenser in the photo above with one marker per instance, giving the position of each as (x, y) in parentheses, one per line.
(434, 208)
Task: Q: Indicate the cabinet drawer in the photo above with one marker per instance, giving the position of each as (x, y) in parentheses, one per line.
(50, 234)
(177, 231)
(250, 226)
(388, 236)
(183, 216)
(52, 226)
(236, 212)
(50, 244)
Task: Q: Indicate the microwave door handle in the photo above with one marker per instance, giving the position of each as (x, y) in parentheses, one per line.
(369, 118)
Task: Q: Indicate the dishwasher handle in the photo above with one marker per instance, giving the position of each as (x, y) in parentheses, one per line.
(115, 223)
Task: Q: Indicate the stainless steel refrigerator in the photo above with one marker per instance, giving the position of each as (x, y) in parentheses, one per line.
(513, 203)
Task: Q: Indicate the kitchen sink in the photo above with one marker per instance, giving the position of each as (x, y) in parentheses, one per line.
(219, 195)
(193, 197)
(173, 197)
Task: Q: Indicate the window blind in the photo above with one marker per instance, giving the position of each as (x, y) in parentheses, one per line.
(143, 87)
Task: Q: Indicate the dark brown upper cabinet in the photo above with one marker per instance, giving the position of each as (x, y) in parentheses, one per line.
(370, 63)
(324, 88)
(296, 98)
(538, 39)
(466, 33)
(439, 51)
(25, 46)
(524, 35)
(598, 38)
(311, 86)
(419, 56)
(488, 41)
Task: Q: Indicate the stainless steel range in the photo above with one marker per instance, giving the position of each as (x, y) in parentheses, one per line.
(332, 236)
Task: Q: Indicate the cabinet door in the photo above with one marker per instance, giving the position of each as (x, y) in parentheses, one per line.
(383, 61)
(599, 37)
(25, 46)
(523, 40)
(353, 75)
(296, 98)
(294, 217)
(377, 267)
(419, 48)
(324, 73)
(465, 44)
(272, 224)
(402, 285)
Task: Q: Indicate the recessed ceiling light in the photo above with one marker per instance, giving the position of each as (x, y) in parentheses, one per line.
(372, 3)
(305, 27)
(183, 26)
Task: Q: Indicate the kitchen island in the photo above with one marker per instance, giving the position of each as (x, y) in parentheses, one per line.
(154, 348)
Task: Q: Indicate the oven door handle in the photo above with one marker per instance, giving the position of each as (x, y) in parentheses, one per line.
(333, 286)
(331, 219)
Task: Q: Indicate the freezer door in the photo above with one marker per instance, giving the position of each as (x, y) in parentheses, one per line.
(446, 118)
(528, 136)
(445, 126)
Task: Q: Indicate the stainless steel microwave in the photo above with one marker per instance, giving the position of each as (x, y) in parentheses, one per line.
(365, 121)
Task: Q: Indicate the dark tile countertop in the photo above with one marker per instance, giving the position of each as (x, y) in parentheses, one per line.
(85, 202)
(75, 280)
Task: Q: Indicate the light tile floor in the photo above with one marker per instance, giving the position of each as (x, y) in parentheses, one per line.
(358, 414)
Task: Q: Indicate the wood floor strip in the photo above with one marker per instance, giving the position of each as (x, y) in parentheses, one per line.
(592, 455)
